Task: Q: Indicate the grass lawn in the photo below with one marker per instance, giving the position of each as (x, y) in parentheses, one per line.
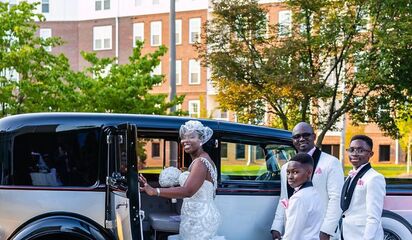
(388, 170)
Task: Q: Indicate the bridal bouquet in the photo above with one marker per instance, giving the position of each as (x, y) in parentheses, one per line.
(169, 177)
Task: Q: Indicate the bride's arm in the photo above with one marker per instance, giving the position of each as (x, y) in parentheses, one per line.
(194, 181)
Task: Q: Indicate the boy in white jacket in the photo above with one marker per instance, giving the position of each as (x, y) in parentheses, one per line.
(303, 211)
(363, 194)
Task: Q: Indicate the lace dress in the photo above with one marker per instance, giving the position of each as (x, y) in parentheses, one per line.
(200, 218)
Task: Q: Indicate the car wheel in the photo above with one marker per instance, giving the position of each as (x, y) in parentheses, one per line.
(60, 236)
(390, 235)
(395, 227)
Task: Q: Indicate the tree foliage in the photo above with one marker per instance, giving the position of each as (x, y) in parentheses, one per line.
(31, 78)
(107, 86)
(337, 57)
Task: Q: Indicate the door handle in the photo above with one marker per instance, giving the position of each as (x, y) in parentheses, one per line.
(121, 205)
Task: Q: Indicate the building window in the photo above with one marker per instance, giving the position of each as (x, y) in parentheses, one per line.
(156, 33)
(220, 114)
(138, 33)
(223, 114)
(102, 38)
(194, 72)
(138, 2)
(102, 73)
(10, 74)
(332, 149)
(46, 33)
(155, 2)
(178, 72)
(179, 31)
(194, 30)
(45, 6)
(102, 5)
(157, 70)
(363, 24)
(194, 108)
(384, 153)
(285, 22)
(240, 152)
(155, 149)
(260, 154)
(178, 107)
(223, 150)
(263, 32)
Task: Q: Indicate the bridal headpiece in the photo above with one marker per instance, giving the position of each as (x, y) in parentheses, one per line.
(205, 133)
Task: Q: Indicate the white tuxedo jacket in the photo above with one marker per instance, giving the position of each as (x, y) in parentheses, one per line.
(363, 218)
(328, 181)
(304, 215)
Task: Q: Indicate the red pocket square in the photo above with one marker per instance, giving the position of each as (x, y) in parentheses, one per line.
(318, 171)
(360, 182)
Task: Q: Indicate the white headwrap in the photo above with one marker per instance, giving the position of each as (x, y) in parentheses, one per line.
(205, 133)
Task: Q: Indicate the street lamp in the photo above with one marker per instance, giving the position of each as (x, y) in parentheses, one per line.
(172, 74)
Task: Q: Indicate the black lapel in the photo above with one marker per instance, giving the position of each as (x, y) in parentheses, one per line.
(347, 195)
(316, 156)
(344, 191)
(289, 188)
(306, 184)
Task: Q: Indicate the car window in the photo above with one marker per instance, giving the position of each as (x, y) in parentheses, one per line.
(252, 162)
(154, 154)
(60, 158)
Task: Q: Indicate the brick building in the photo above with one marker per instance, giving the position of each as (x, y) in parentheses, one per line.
(110, 27)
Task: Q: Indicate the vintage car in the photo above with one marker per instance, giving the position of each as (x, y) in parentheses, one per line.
(74, 176)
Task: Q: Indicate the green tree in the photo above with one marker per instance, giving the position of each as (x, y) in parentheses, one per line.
(405, 129)
(107, 86)
(338, 57)
(31, 78)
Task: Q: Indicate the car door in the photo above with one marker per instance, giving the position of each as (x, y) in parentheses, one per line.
(122, 196)
(249, 187)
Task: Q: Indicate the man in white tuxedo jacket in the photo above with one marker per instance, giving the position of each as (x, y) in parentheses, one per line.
(327, 179)
(363, 194)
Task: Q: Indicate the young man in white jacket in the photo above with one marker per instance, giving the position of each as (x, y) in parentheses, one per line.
(327, 179)
(363, 194)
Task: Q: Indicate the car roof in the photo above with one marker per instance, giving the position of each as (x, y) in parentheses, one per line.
(158, 122)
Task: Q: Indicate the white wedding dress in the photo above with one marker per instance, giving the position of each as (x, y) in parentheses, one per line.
(200, 218)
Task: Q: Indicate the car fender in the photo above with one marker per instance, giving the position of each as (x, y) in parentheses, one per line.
(65, 224)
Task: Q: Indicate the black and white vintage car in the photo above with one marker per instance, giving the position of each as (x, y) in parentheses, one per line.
(74, 176)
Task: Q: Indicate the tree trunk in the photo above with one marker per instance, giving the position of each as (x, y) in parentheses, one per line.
(284, 122)
(320, 137)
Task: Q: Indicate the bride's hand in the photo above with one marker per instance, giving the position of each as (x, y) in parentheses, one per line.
(145, 187)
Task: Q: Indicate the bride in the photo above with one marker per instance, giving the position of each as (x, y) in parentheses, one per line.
(200, 218)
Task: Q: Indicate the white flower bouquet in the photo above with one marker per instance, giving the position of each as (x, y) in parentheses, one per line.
(169, 177)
